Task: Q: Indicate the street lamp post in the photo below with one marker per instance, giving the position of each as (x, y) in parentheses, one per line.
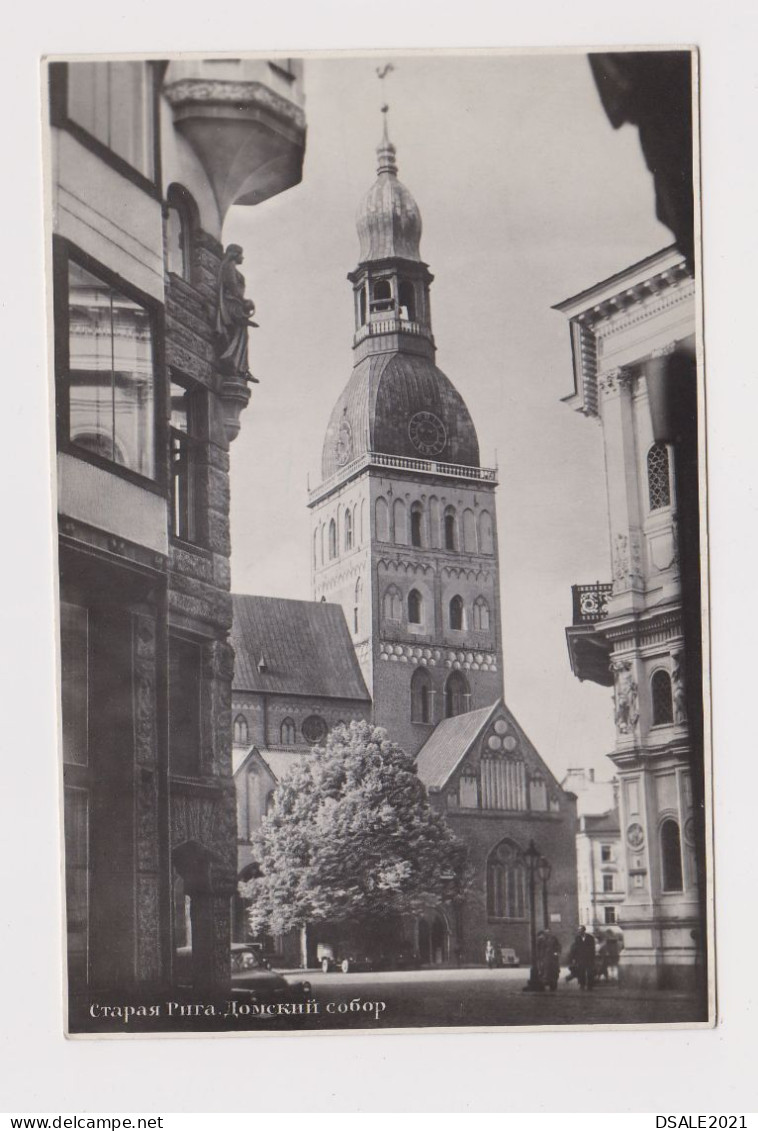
(531, 858)
(544, 871)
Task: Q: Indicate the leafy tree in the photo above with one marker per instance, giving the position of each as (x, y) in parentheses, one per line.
(351, 836)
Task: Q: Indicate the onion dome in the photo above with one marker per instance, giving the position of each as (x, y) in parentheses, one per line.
(388, 218)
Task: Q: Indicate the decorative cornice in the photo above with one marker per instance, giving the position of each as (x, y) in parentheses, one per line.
(243, 95)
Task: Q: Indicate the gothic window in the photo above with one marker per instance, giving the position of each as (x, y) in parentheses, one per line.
(287, 732)
(322, 535)
(434, 521)
(506, 883)
(392, 604)
(401, 523)
(421, 696)
(451, 542)
(107, 384)
(456, 613)
(417, 518)
(382, 515)
(332, 539)
(357, 606)
(406, 300)
(348, 529)
(503, 778)
(658, 480)
(457, 696)
(469, 789)
(314, 729)
(415, 607)
(270, 801)
(481, 615)
(660, 690)
(362, 528)
(469, 531)
(671, 856)
(357, 530)
(180, 223)
(241, 732)
(485, 533)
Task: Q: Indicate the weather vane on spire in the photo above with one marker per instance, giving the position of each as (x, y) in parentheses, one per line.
(382, 73)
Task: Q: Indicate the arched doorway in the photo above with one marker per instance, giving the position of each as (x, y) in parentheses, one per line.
(433, 939)
(193, 916)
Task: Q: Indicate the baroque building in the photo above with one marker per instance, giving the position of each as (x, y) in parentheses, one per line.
(628, 632)
(404, 538)
(151, 375)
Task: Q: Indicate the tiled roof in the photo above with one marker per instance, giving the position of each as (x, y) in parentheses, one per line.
(279, 761)
(603, 822)
(448, 744)
(305, 646)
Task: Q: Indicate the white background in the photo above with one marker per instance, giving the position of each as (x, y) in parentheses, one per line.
(633, 1071)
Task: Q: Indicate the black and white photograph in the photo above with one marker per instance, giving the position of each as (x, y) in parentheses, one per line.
(378, 385)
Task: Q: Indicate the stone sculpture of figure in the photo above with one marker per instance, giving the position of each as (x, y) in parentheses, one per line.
(677, 688)
(627, 713)
(233, 316)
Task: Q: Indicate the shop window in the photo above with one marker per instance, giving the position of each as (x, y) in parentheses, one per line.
(660, 690)
(184, 684)
(456, 613)
(415, 607)
(287, 732)
(658, 477)
(671, 856)
(421, 696)
(107, 378)
(506, 883)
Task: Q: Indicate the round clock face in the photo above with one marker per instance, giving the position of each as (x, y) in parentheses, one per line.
(343, 445)
(427, 433)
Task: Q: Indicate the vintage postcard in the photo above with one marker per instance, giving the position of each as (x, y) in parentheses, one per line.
(383, 579)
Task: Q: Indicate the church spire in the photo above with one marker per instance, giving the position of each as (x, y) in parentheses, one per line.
(386, 151)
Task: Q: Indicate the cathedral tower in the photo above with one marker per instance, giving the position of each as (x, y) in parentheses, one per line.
(404, 533)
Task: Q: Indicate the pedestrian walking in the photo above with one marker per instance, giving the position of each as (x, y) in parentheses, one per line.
(610, 952)
(551, 961)
(584, 958)
(489, 954)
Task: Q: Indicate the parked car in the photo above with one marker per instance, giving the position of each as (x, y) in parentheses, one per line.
(253, 979)
(508, 956)
(349, 958)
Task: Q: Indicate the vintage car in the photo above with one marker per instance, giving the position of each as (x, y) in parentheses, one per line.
(508, 956)
(253, 980)
(349, 958)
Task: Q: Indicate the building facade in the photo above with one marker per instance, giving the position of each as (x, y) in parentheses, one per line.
(404, 538)
(601, 878)
(628, 632)
(151, 374)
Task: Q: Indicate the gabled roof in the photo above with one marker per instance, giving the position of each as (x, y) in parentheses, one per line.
(448, 744)
(305, 647)
(277, 761)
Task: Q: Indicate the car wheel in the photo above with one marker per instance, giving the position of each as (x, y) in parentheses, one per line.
(325, 965)
(345, 966)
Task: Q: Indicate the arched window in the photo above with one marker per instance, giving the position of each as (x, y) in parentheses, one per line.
(406, 300)
(287, 732)
(332, 539)
(451, 542)
(415, 607)
(469, 531)
(481, 615)
(362, 528)
(434, 521)
(241, 732)
(457, 696)
(401, 522)
(270, 802)
(181, 218)
(658, 480)
(392, 604)
(348, 529)
(357, 531)
(322, 536)
(382, 517)
(485, 533)
(382, 289)
(362, 303)
(660, 693)
(421, 696)
(417, 518)
(357, 607)
(506, 882)
(456, 612)
(671, 856)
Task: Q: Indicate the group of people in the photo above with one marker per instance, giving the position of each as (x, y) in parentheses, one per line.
(586, 960)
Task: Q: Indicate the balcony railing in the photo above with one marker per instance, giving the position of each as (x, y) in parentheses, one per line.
(392, 326)
(591, 602)
(403, 463)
